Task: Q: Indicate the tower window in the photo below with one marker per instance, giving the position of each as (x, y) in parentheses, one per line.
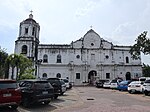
(26, 30)
(58, 58)
(127, 59)
(24, 49)
(45, 58)
(33, 31)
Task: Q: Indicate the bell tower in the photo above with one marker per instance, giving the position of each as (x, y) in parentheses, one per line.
(28, 39)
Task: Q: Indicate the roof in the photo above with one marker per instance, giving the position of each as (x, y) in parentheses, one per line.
(7, 80)
(33, 80)
(30, 19)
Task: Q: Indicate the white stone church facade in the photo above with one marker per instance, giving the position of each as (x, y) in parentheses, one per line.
(82, 61)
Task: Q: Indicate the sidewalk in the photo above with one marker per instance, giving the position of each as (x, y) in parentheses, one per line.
(71, 100)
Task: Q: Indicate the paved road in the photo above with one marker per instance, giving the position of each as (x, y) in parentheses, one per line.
(91, 99)
(104, 100)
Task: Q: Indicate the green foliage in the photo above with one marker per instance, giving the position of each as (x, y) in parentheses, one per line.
(146, 70)
(27, 76)
(20, 62)
(142, 45)
(3, 67)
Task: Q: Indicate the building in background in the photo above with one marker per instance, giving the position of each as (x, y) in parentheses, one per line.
(82, 61)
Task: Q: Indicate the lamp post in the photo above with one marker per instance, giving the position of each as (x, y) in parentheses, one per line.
(38, 62)
(71, 68)
(12, 66)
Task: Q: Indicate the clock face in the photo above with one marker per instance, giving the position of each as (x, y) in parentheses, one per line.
(92, 44)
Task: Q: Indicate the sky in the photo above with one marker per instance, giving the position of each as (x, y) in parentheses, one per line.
(64, 21)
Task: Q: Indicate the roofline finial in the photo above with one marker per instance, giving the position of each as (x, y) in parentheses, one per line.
(91, 26)
(31, 11)
(31, 15)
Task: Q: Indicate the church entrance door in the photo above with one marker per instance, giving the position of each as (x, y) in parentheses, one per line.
(91, 77)
(128, 76)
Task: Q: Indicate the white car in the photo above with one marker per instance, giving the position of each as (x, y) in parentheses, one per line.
(146, 87)
(63, 87)
(66, 83)
(135, 86)
(106, 84)
(114, 83)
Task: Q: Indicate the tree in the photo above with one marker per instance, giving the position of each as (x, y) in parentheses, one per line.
(142, 45)
(25, 66)
(146, 70)
(27, 75)
(3, 66)
(20, 62)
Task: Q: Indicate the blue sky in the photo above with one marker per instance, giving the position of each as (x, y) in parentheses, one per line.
(63, 21)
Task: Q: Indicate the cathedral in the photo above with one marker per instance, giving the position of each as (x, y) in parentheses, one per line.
(82, 61)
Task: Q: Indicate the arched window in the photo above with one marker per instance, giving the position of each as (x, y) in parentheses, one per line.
(24, 49)
(58, 75)
(45, 58)
(44, 75)
(58, 58)
(127, 59)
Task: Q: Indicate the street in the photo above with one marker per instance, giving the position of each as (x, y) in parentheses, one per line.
(91, 99)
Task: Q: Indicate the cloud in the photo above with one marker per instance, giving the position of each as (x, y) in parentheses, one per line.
(125, 33)
(126, 29)
(90, 5)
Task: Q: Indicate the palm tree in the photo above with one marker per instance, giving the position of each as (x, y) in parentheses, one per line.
(3, 67)
(11, 61)
(20, 62)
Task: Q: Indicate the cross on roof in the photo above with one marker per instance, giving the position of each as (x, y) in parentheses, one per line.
(91, 26)
(31, 11)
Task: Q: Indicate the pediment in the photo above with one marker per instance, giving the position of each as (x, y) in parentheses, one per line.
(91, 40)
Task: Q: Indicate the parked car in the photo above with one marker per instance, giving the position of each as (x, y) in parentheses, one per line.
(59, 89)
(114, 83)
(123, 85)
(143, 79)
(135, 86)
(146, 87)
(10, 94)
(35, 91)
(67, 83)
(63, 87)
(99, 83)
(107, 84)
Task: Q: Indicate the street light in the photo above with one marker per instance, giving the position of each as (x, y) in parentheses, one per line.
(38, 62)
